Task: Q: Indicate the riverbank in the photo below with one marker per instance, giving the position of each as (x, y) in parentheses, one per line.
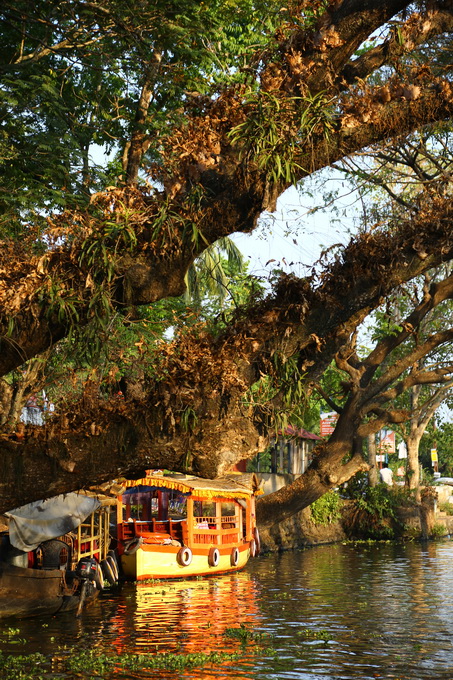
(410, 521)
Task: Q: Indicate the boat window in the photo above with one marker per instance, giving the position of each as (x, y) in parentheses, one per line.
(204, 509)
(140, 505)
(177, 505)
(228, 509)
(144, 504)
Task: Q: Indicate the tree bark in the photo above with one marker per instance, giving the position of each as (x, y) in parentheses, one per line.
(137, 145)
(413, 463)
(211, 375)
(373, 471)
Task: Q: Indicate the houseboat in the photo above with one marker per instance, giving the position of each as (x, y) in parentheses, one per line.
(178, 526)
(54, 555)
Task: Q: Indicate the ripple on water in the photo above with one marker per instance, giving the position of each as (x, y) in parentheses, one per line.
(328, 613)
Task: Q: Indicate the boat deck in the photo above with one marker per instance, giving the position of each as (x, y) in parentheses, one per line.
(206, 530)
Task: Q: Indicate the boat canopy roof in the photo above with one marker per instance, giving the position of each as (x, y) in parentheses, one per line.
(226, 487)
(41, 521)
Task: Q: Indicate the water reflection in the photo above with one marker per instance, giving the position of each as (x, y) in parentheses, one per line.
(187, 616)
(386, 609)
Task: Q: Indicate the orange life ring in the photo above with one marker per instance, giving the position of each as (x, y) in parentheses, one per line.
(234, 557)
(213, 557)
(184, 556)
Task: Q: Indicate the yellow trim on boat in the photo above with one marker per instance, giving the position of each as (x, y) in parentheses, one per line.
(196, 487)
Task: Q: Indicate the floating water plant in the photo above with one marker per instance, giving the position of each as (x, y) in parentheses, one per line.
(245, 635)
(99, 663)
(309, 634)
(26, 667)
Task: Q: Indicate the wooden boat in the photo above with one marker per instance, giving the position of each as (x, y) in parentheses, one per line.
(45, 572)
(177, 526)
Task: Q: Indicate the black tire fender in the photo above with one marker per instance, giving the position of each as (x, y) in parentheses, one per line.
(184, 556)
(213, 557)
(131, 547)
(99, 578)
(234, 557)
(113, 566)
(108, 572)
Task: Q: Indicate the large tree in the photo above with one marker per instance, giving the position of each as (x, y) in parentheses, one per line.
(213, 110)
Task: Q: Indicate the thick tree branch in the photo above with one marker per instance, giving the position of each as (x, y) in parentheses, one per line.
(416, 31)
(440, 376)
(149, 277)
(138, 142)
(437, 293)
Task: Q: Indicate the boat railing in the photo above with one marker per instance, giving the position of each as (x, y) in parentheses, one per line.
(170, 528)
(207, 530)
(93, 536)
(217, 530)
(71, 541)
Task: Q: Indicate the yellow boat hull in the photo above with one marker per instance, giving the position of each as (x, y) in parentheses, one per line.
(161, 562)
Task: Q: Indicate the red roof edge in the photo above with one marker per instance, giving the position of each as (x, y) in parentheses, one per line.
(291, 431)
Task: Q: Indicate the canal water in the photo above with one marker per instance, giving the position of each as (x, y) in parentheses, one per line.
(339, 612)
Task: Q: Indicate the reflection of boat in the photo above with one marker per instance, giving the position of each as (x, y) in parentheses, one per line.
(54, 555)
(185, 616)
(177, 526)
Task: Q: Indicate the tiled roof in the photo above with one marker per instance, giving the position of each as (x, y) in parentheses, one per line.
(291, 431)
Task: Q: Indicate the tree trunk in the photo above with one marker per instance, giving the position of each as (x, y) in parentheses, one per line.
(326, 472)
(138, 143)
(413, 463)
(373, 471)
(427, 512)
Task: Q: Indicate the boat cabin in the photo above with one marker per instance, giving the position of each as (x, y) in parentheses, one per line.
(169, 513)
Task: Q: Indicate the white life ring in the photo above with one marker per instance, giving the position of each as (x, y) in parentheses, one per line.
(184, 556)
(234, 557)
(213, 557)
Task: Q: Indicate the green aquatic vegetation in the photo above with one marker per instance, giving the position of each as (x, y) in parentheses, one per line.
(95, 663)
(284, 595)
(11, 636)
(246, 635)
(98, 663)
(309, 634)
(24, 667)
